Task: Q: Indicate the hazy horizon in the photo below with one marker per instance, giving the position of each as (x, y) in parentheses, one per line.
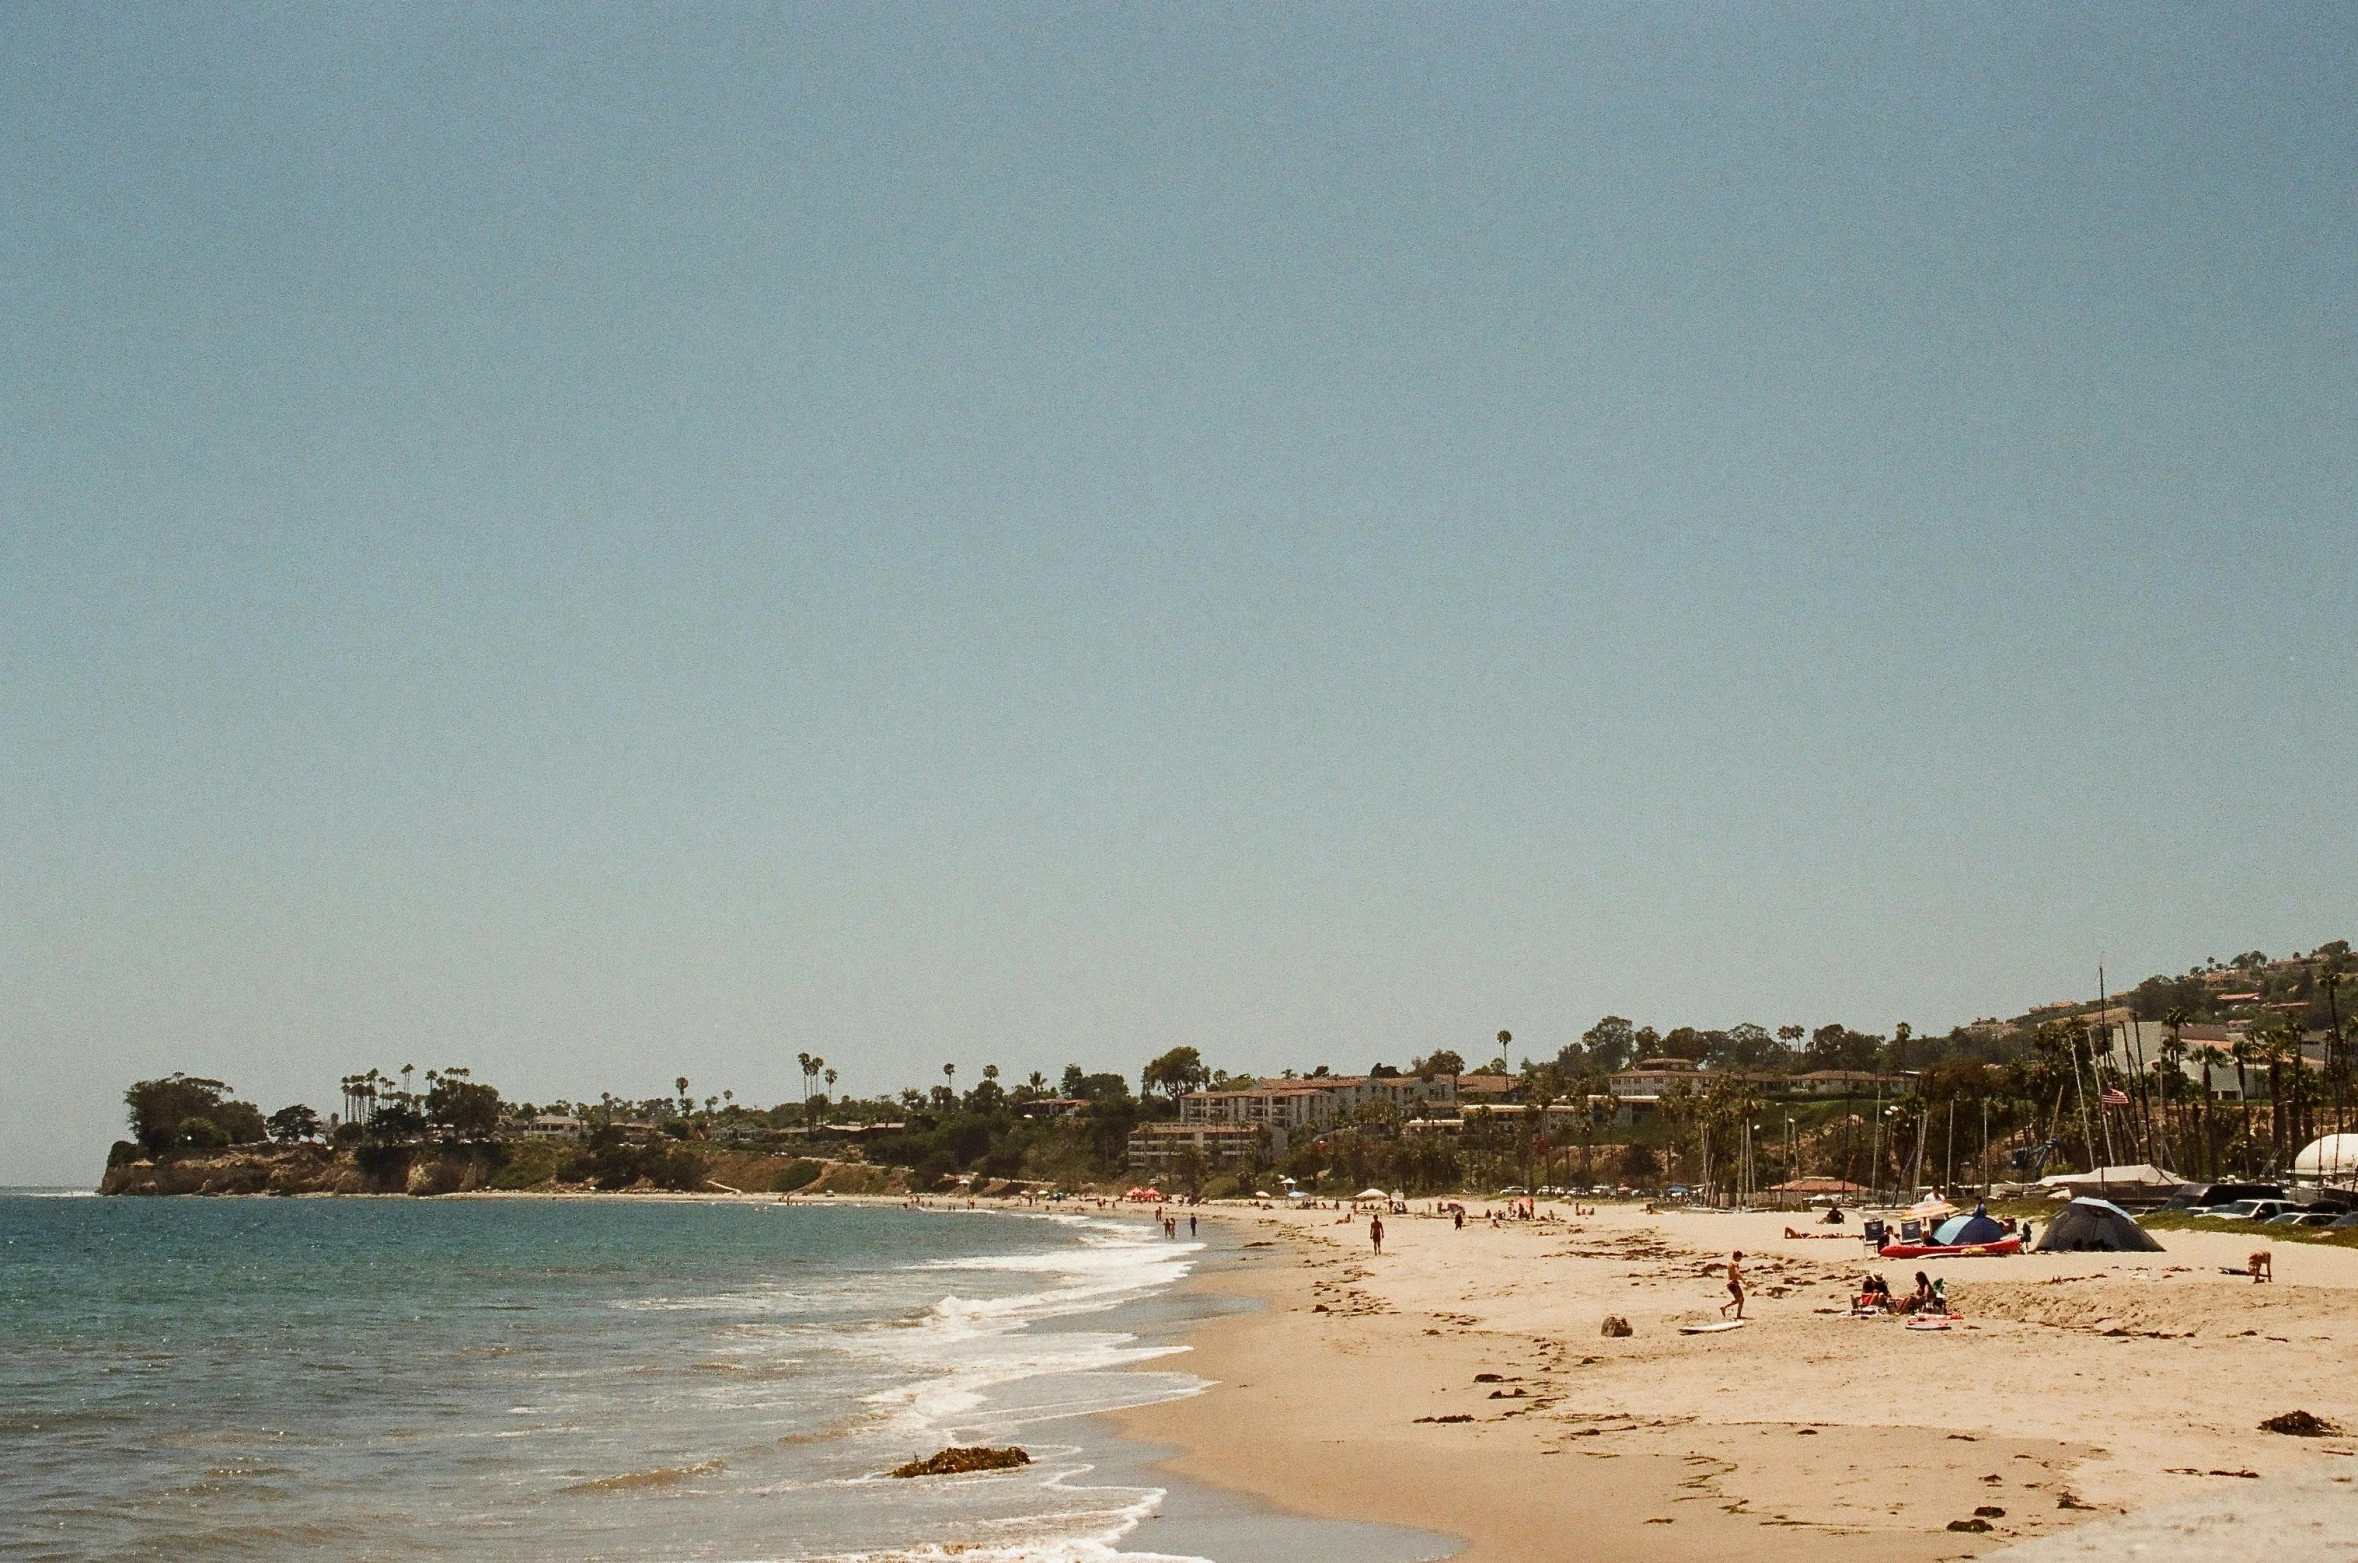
(617, 543)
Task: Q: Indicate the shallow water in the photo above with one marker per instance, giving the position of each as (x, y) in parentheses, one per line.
(605, 1379)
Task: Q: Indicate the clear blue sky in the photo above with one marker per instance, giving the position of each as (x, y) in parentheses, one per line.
(605, 544)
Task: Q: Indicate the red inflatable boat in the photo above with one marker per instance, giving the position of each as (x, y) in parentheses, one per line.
(2004, 1245)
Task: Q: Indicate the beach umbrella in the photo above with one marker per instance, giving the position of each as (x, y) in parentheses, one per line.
(1373, 1194)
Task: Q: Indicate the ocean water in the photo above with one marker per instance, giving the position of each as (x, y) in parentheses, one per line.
(580, 1379)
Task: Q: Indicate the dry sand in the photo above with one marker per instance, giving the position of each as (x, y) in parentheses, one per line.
(2076, 1387)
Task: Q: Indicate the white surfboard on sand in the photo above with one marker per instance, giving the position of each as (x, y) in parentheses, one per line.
(1713, 1329)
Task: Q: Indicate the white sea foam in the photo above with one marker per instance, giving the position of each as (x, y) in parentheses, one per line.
(984, 1364)
(1080, 1535)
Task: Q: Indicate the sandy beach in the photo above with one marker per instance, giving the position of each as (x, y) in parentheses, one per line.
(1459, 1383)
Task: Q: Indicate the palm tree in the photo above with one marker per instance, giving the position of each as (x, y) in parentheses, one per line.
(804, 1059)
(2245, 1054)
(950, 1073)
(406, 1071)
(2337, 1070)
(2174, 1049)
(686, 1106)
(2272, 1049)
(832, 1077)
(1538, 1099)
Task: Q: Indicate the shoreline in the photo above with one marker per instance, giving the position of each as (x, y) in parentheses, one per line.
(2076, 1388)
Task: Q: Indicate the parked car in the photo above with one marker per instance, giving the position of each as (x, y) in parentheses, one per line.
(2305, 1218)
(2249, 1210)
(2199, 1197)
(1514, 1188)
(2344, 1223)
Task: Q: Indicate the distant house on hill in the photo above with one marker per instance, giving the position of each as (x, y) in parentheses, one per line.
(1159, 1150)
(1282, 1106)
(2125, 1045)
(1485, 1090)
(550, 1126)
(1649, 1079)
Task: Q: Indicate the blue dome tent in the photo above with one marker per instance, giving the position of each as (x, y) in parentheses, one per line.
(1976, 1228)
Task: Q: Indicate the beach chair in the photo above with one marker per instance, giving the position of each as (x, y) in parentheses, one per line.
(1911, 1231)
(1871, 1232)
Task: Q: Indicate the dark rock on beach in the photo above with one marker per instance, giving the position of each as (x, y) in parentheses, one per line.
(956, 1461)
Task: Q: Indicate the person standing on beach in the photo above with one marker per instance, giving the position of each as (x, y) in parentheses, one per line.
(1191, 1223)
(1375, 1232)
(1735, 1286)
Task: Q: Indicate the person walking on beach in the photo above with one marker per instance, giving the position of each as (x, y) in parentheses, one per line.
(1459, 1218)
(1735, 1286)
(1375, 1232)
(1191, 1223)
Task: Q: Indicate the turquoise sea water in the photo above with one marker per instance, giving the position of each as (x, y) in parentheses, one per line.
(563, 1379)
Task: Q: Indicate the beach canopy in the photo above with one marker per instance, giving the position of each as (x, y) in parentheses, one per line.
(1818, 1186)
(2335, 1156)
(1373, 1194)
(2094, 1225)
(2137, 1175)
(1976, 1228)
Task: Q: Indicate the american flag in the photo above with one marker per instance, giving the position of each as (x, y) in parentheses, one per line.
(2116, 1098)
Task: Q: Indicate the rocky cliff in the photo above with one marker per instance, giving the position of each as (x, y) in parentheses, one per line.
(318, 1169)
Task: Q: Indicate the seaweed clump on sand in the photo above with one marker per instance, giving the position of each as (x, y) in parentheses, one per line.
(955, 1462)
(2300, 1424)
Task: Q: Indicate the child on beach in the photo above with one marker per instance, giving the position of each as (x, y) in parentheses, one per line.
(1735, 1286)
(1375, 1232)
